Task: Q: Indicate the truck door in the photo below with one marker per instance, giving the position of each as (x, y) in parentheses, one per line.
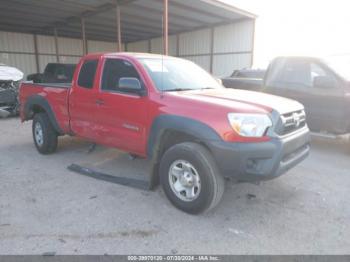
(121, 115)
(295, 79)
(82, 100)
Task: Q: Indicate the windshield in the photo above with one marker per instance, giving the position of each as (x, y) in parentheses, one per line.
(178, 74)
(340, 64)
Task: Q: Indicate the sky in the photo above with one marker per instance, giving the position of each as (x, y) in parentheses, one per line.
(298, 27)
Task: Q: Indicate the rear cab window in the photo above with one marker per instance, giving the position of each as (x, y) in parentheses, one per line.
(296, 74)
(87, 73)
(290, 74)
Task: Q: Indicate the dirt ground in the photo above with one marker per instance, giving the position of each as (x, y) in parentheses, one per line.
(45, 208)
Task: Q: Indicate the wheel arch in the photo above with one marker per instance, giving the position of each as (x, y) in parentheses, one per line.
(168, 130)
(38, 104)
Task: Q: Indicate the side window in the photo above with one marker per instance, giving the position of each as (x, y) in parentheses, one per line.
(50, 68)
(87, 74)
(113, 70)
(290, 74)
(297, 73)
(60, 73)
(321, 77)
(316, 70)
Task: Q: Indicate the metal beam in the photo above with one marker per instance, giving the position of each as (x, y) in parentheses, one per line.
(35, 38)
(173, 15)
(100, 36)
(147, 24)
(200, 28)
(253, 45)
(56, 44)
(189, 8)
(83, 36)
(91, 12)
(119, 33)
(177, 44)
(212, 32)
(104, 30)
(144, 16)
(165, 28)
(149, 46)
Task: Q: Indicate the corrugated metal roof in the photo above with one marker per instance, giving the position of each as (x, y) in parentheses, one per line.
(140, 19)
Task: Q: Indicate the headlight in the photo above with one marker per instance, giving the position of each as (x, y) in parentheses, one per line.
(250, 125)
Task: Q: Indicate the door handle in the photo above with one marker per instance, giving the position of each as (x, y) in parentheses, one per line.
(99, 102)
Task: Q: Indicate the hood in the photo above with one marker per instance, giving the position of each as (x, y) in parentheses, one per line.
(8, 73)
(230, 97)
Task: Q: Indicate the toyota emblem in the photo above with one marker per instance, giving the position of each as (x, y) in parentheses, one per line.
(296, 119)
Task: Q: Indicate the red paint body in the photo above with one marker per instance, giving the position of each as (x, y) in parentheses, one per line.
(77, 112)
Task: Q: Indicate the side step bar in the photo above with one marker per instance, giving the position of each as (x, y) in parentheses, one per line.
(125, 181)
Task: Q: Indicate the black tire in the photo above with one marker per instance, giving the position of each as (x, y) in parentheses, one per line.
(211, 181)
(48, 144)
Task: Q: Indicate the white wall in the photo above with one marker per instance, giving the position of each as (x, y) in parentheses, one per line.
(140, 46)
(233, 45)
(18, 50)
(194, 43)
(157, 45)
(100, 46)
(232, 48)
(10, 43)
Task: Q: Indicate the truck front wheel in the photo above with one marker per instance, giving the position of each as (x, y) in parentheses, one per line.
(190, 178)
(44, 135)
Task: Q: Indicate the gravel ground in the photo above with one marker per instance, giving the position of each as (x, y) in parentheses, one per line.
(46, 208)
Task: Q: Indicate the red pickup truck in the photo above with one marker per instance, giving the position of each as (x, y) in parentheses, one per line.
(169, 110)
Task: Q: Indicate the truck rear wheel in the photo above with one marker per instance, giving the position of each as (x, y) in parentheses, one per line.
(190, 178)
(44, 135)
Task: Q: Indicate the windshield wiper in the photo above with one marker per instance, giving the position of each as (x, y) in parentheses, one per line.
(185, 89)
(177, 89)
(208, 87)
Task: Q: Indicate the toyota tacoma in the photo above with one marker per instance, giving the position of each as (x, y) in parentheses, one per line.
(194, 131)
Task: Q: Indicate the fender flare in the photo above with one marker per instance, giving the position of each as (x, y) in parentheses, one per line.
(186, 125)
(37, 100)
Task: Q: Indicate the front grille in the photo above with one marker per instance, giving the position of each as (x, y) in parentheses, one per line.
(291, 122)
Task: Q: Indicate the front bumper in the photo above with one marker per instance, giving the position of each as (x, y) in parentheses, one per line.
(261, 161)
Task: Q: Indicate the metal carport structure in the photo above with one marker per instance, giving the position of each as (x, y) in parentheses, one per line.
(132, 25)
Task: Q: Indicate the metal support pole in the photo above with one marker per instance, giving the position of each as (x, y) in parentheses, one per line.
(119, 34)
(253, 45)
(83, 35)
(165, 27)
(177, 45)
(211, 49)
(36, 53)
(56, 44)
(149, 47)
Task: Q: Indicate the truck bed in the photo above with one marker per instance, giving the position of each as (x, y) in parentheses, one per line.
(53, 85)
(56, 94)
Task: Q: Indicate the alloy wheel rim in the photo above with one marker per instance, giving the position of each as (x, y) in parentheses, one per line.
(38, 134)
(184, 180)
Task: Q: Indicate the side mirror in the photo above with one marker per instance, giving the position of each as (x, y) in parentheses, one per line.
(130, 84)
(218, 80)
(324, 82)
